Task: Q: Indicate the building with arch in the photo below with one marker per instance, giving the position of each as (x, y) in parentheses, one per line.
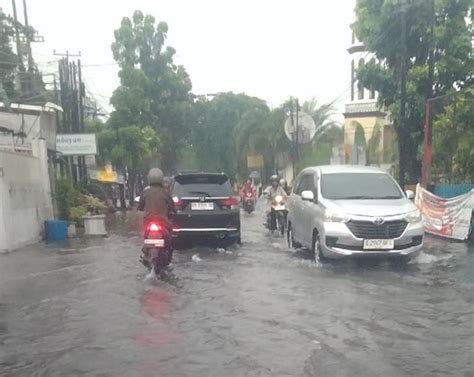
(369, 138)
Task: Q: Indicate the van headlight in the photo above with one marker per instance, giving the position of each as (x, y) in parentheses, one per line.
(413, 217)
(335, 217)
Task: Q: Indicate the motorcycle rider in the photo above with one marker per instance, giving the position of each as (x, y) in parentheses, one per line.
(247, 188)
(272, 192)
(284, 185)
(156, 202)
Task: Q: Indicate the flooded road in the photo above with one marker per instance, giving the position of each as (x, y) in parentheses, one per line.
(88, 309)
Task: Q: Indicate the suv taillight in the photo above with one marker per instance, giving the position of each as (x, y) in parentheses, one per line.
(178, 203)
(231, 203)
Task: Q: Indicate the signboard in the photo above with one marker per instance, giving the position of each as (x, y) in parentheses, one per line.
(106, 177)
(255, 161)
(449, 218)
(76, 144)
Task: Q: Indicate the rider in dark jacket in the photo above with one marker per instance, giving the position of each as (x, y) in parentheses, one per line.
(156, 201)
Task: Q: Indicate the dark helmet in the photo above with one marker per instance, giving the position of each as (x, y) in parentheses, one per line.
(274, 178)
(155, 176)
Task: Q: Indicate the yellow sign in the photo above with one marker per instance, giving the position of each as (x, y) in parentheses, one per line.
(255, 161)
(107, 175)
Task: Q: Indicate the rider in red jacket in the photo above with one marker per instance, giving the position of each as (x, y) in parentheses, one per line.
(248, 188)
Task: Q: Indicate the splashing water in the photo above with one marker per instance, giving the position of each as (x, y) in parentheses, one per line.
(424, 258)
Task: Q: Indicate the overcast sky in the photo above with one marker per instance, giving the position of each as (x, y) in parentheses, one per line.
(269, 49)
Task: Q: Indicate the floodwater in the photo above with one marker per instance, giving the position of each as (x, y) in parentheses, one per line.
(89, 308)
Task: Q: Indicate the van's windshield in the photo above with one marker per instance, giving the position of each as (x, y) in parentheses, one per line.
(359, 186)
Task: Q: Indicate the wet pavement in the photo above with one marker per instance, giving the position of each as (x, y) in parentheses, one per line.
(88, 308)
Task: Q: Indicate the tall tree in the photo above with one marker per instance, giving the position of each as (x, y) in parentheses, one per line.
(216, 125)
(154, 91)
(378, 26)
(453, 138)
(8, 59)
(329, 133)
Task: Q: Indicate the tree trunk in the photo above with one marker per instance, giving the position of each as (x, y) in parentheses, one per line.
(131, 188)
(123, 204)
(402, 157)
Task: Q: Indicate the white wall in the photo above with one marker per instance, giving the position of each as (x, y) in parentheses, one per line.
(36, 125)
(25, 197)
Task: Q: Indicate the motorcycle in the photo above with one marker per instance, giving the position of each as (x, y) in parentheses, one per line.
(157, 249)
(248, 203)
(277, 216)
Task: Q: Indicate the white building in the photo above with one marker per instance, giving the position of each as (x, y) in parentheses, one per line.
(363, 116)
(27, 148)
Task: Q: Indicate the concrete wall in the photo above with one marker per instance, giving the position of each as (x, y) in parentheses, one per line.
(36, 125)
(25, 196)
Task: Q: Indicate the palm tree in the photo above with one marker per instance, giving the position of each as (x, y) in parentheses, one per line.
(322, 114)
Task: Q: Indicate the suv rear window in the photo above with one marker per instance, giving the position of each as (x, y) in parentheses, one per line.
(202, 185)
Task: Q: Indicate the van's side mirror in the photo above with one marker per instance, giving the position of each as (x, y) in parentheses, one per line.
(307, 195)
(410, 194)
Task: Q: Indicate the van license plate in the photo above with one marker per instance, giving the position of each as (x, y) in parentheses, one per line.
(378, 244)
(202, 206)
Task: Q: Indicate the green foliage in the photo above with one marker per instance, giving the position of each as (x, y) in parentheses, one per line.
(218, 131)
(93, 188)
(378, 26)
(73, 203)
(316, 155)
(76, 214)
(92, 204)
(66, 197)
(8, 59)
(131, 147)
(373, 155)
(153, 95)
(359, 135)
(234, 126)
(453, 140)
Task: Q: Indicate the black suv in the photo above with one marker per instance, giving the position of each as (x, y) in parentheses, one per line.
(205, 208)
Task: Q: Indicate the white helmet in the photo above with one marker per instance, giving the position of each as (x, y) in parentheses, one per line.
(155, 177)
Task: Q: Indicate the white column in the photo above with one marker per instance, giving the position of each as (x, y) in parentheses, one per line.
(40, 151)
(3, 209)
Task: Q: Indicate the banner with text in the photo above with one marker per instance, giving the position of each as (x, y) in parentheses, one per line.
(449, 218)
(76, 144)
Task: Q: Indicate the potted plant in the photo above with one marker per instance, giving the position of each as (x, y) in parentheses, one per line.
(76, 215)
(94, 219)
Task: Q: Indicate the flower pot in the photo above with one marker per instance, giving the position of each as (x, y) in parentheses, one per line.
(94, 225)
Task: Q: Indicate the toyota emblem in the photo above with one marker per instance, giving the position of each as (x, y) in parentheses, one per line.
(378, 221)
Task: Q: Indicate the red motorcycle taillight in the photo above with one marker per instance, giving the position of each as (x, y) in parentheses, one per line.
(153, 227)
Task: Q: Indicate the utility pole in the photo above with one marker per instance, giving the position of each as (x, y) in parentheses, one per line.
(28, 38)
(402, 133)
(81, 94)
(297, 130)
(427, 139)
(72, 100)
(293, 135)
(17, 36)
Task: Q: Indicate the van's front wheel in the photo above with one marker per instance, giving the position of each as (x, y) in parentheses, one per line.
(292, 244)
(316, 248)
